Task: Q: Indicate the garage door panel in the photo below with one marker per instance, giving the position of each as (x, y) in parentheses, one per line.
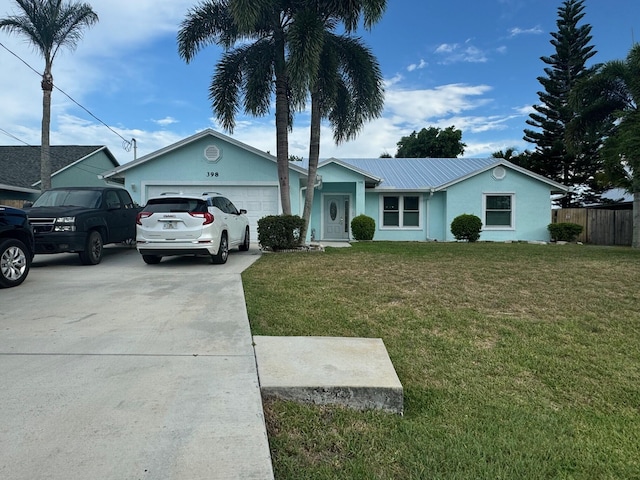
(258, 201)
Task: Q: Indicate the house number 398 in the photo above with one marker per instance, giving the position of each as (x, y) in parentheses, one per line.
(213, 174)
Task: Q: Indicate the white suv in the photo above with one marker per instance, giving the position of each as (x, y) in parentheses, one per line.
(179, 224)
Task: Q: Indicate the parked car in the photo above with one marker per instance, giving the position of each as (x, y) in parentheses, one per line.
(180, 224)
(16, 246)
(82, 220)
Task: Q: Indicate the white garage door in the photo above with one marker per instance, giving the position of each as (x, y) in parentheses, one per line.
(258, 201)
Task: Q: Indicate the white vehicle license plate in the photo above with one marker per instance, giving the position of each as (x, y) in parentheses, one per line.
(169, 225)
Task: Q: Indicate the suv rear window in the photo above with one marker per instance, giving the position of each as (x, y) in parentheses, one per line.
(188, 205)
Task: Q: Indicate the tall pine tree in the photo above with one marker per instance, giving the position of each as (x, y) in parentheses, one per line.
(566, 159)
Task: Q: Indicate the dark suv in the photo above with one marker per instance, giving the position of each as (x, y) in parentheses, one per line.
(16, 246)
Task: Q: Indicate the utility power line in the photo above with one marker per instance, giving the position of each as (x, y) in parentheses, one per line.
(126, 144)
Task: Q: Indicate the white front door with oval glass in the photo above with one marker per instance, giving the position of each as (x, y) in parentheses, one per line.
(336, 217)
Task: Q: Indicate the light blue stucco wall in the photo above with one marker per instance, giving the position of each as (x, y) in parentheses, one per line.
(187, 165)
(85, 173)
(531, 205)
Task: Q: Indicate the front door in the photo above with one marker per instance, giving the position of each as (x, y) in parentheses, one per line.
(336, 217)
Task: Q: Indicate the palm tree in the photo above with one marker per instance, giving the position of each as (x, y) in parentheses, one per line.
(609, 104)
(257, 69)
(49, 25)
(340, 73)
(348, 91)
(284, 57)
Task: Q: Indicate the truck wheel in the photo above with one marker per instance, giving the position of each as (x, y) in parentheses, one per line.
(92, 254)
(151, 259)
(14, 263)
(244, 246)
(223, 251)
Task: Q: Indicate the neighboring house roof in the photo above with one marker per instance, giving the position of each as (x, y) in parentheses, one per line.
(204, 133)
(423, 174)
(20, 165)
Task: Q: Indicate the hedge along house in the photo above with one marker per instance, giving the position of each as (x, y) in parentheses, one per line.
(212, 162)
(409, 199)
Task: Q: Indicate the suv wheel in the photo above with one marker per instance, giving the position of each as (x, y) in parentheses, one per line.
(14, 262)
(151, 259)
(244, 246)
(92, 250)
(223, 250)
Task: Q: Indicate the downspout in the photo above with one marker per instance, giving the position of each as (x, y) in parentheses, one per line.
(431, 192)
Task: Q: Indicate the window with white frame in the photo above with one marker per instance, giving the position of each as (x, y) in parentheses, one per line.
(401, 211)
(498, 211)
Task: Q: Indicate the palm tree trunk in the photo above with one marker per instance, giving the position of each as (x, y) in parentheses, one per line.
(282, 129)
(314, 155)
(635, 242)
(45, 159)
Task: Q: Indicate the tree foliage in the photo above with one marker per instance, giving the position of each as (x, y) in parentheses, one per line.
(49, 25)
(431, 143)
(572, 161)
(289, 49)
(608, 103)
(251, 69)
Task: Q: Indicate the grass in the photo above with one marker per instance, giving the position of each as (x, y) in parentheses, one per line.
(517, 360)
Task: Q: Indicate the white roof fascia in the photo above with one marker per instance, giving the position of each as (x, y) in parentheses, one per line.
(350, 167)
(505, 163)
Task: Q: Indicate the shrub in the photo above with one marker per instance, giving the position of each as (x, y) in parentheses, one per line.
(564, 232)
(279, 232)
(363, 227)
(466, 227)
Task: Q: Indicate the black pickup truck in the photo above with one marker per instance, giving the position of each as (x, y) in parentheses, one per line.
(16, 246)
(82, 220)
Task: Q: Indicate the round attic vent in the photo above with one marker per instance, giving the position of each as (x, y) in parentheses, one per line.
(499, 173)
(212, 153)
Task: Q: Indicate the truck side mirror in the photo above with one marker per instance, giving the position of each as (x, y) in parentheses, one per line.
(27, 205)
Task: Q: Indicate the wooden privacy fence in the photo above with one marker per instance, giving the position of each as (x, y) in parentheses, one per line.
(600, 226)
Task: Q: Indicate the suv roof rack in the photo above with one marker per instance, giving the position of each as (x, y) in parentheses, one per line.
(211, 193)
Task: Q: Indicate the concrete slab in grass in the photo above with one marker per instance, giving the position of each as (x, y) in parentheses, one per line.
(354, 372)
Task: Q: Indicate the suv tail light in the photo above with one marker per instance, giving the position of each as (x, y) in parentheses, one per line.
(208, 218)
(142, 215)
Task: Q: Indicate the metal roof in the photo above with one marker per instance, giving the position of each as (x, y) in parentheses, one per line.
(419, 173)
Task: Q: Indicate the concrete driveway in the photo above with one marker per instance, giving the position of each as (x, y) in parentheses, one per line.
(130, 371)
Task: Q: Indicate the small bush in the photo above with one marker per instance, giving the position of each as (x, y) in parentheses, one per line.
(279, 232)
(564, 232)
(466, 227)
(363, 227)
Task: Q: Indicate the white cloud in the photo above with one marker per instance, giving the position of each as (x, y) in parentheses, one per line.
(526, 110)
(516, 31)
(165, 122)
(455, 53)
(420, 106)
(417, 66)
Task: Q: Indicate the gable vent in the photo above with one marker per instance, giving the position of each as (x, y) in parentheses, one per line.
(212, 153)
(499, 173)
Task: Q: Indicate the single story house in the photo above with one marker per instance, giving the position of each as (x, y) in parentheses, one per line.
(71, 165)
(409, 199)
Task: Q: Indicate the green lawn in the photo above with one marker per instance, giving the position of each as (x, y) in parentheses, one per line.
(517, 361)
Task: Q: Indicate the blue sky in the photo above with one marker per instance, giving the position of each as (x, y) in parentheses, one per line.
(471, 64)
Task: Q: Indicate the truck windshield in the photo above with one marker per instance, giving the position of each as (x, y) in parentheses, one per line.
(69, 198)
